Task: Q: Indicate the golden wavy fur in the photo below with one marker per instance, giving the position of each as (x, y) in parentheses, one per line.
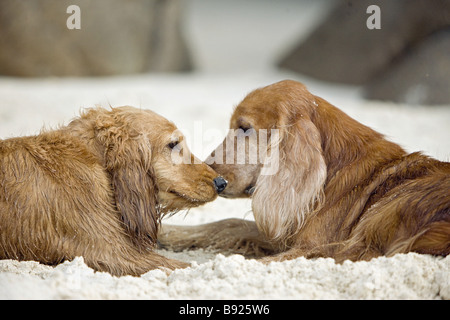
(97, 188)
(341, 190)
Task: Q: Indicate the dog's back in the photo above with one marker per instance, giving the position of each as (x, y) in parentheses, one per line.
(39, 217)
(407, 211)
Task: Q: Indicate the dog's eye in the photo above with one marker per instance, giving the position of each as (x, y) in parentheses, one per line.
(173, 144)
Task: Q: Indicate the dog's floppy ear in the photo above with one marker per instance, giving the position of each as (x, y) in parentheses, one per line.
(284, 198)
(127, 157)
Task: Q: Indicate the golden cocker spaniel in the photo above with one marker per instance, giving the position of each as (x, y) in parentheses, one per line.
(323, 185)
(97, 188)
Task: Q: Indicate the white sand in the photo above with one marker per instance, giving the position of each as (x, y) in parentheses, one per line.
(191, 101)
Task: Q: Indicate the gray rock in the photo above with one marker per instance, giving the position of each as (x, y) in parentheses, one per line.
(116, 37)
(342, 49)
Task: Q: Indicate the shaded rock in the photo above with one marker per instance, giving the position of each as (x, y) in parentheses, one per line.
(342, 48)
(422, 76)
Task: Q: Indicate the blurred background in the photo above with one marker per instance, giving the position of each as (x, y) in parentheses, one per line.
(406, 60)
(192, 61)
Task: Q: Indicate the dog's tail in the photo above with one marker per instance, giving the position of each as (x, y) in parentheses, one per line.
(435, 240)
(413, 217)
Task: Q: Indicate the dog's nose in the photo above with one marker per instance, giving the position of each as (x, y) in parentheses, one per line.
(220, 184)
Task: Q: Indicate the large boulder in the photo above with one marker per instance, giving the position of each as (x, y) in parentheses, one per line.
(343, 49)
(422, 76)
(116, 37)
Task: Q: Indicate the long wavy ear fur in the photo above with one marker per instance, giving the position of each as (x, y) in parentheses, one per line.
(128, 160)
(283, 200)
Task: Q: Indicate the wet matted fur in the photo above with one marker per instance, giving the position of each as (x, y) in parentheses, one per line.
(341, 190)
(97, 188)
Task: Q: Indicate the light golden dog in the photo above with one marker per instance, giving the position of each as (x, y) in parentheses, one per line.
(98, 188)
(341, 189)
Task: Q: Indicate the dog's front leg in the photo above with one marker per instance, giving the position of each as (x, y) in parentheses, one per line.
(230, 236)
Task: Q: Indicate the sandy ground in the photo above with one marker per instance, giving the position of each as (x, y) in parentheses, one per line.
(200, 105)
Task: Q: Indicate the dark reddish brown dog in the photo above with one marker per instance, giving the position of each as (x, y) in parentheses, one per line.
(97, 188)
(341, 189)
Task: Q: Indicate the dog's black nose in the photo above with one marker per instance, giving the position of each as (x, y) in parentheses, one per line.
(220, 184)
